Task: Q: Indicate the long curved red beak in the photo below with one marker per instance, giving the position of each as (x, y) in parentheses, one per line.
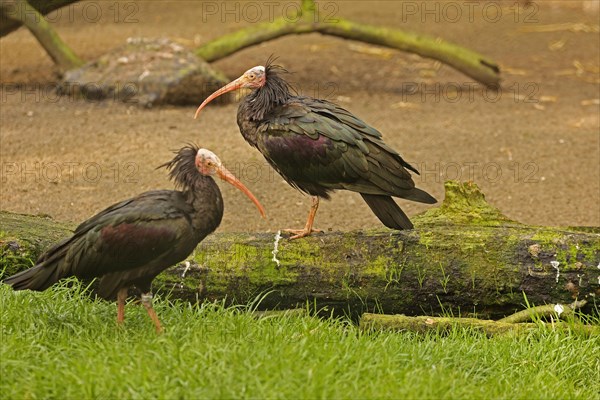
(233, 85)
(230, 178)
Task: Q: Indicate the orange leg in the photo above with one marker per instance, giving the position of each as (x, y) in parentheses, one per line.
(147, 302)
(308, 229)
(121, 297)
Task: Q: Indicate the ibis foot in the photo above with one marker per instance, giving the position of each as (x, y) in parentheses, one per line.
(308, 228)
(300, 233)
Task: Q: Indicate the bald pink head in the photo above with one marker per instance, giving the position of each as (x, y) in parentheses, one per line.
(254, 78)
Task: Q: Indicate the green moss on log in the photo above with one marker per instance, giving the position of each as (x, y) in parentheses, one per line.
(24, 237)
(464, 203)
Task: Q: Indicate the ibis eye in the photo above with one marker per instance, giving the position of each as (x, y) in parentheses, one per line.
(251, 76)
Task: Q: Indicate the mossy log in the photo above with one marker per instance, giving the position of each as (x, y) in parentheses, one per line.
(463, 257)
(464, 60)
(424, 324)
(11, 13)
(62, 55)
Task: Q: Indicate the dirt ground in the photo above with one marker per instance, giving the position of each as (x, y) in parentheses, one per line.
(534, 147)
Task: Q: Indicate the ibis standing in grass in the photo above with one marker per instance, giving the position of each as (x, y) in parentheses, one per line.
(318, 147)
(131, 242)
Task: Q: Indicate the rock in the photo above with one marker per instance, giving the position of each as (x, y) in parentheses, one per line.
(146, 72)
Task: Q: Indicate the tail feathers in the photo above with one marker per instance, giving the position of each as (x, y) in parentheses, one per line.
(388, 212)
(419, 195)
(39, 277)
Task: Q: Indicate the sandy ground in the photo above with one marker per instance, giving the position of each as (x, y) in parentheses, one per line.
(534, 148)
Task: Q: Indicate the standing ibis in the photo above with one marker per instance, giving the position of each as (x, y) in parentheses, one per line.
(318, 147)
(131, 242)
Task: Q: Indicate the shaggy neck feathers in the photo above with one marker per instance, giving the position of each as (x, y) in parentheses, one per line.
(275, 92)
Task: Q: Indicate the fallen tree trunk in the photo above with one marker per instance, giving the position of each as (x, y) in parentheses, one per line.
(463, 257)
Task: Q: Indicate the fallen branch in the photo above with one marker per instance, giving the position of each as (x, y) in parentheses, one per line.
(16, 12)
(62, 55)
(555, 311)
(464, 60)
(424, 324)
(11, 13)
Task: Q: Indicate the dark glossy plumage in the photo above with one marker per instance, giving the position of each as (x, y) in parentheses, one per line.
(318, 147)
(131, 242)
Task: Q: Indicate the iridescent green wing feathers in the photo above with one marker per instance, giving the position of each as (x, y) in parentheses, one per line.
(314, 143)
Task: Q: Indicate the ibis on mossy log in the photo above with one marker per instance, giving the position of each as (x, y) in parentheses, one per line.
(131, 242)
(318, 147)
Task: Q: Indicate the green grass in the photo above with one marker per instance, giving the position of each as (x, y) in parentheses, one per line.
(61, 344)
